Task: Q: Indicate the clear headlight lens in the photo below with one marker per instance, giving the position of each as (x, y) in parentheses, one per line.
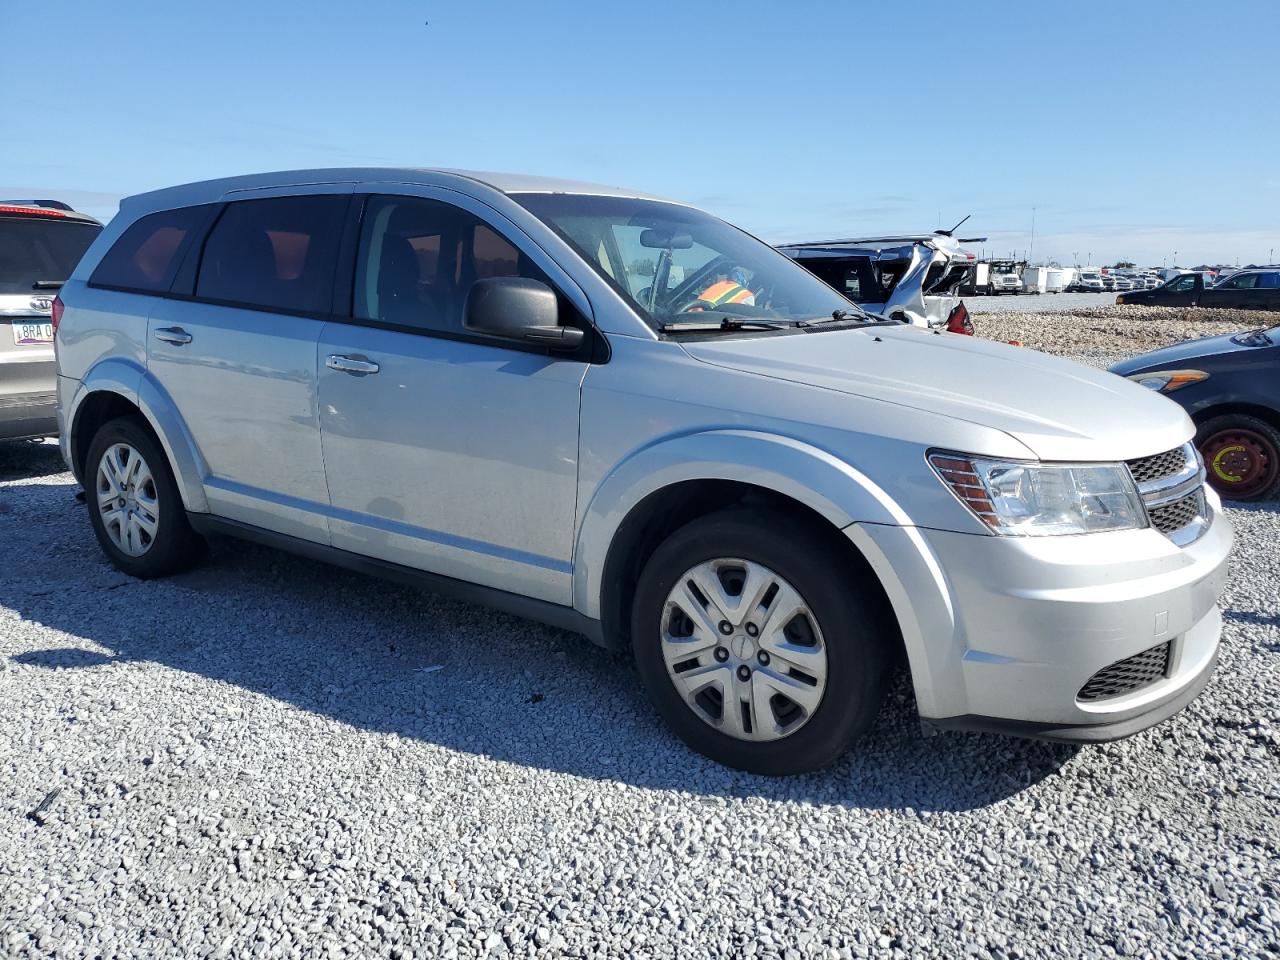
(1016, 498)
(1167, 381)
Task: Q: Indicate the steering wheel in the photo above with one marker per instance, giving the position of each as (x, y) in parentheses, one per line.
(695, 305)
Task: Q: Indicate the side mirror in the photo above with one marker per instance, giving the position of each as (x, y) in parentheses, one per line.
(516, 308)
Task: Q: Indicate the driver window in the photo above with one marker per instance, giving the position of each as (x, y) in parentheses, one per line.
(1183, 283)
(1246, 281)
(418, 259)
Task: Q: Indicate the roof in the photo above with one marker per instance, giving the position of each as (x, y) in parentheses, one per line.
(506, 183)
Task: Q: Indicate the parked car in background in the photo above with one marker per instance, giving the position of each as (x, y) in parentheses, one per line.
(1255, 288)
(41, 241)
(622, 416)
(1088, 281)
(1230, 385)
(916, 277)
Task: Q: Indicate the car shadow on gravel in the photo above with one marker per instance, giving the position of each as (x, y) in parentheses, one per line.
(433, 671)
(21, 459)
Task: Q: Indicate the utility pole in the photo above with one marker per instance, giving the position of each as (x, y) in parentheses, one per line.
(1031, 251)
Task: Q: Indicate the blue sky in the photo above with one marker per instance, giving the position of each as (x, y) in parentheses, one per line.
(1134, 129)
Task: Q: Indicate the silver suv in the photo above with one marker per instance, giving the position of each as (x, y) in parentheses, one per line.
(622, 416)
(40, 243)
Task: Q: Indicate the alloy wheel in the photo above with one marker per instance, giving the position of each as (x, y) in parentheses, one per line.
(743, 649)
(127, 499)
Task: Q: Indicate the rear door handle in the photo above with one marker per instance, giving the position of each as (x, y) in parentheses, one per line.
(356, 365)
(175, 335)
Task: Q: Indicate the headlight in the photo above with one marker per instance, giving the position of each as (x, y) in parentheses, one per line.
(1167, 381)
(1018, 498)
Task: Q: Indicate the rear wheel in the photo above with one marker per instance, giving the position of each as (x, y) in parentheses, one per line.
(134, 505)
(756, 644)
(1241, 456)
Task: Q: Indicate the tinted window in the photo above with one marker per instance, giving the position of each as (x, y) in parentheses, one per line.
(148, 253)
(418, 258)
(1182, 283)
(278, 253)
(1241, 281)
(40, 248)
(1269, 281)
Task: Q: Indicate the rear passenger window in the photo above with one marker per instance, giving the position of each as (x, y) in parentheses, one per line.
(275, 254)
(418, 258)
(147, 255)
(1269, 281)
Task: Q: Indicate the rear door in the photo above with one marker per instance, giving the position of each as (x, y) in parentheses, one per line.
(1236, 292)
(238, 355)
(38, 250)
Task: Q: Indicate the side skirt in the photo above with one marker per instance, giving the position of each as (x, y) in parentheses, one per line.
(552, 614)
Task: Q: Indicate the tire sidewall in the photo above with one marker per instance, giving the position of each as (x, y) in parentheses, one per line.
(851, 630)
(172, 546)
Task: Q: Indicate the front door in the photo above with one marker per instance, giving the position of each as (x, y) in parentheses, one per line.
(239, 361)
(447, 451)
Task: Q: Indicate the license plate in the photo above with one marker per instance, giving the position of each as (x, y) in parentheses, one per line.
(36, 332)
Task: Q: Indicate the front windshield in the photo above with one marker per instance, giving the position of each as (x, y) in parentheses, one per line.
(675, 264)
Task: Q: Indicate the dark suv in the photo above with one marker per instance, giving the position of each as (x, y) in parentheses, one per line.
(41, 241)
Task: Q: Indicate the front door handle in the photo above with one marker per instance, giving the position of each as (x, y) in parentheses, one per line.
(174, 335)
(356, 365)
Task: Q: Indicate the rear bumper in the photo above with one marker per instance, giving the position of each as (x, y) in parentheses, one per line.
(1002, 633)
(28, 415)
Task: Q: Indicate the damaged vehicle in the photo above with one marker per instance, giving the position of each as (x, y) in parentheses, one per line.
(913, 278)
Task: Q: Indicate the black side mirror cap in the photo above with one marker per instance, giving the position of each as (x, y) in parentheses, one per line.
(518, 308)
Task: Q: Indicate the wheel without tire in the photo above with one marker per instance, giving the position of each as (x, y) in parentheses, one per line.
(758, 644)
(1241, 456)
(134, 505)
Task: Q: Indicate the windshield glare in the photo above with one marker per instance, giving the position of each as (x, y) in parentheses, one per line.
(673, 263)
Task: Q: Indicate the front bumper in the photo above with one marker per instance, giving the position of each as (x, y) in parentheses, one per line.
(1003, 632)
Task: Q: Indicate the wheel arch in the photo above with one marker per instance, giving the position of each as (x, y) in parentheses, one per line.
(118, 388)
(1267, 414)
(669, 484)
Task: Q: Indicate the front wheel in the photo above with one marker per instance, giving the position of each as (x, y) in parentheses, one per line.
(756, 643)
(134, 505)
(1241, 456)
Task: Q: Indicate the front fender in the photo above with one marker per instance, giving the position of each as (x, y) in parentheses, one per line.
(134, 383)
(784, 465)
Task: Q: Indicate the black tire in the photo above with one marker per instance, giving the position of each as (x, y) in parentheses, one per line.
(175, 546)
(852, 621)
(1241, 456)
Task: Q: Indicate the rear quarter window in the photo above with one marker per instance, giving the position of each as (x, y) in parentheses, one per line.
(148, 254)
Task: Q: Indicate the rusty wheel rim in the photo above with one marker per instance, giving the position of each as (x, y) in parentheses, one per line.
(1240, 463)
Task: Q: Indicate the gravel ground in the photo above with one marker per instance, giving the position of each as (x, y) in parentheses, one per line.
(1092, 328)
(269, 757)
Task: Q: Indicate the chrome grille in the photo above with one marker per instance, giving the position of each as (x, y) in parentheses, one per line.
(1126, 676)
(1172, 517)
(1147, 469)
(1171, 485)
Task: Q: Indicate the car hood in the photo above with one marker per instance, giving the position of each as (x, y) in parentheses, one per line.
(1058, 409)
(1181, 353)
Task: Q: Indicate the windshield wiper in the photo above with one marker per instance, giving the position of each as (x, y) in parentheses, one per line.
(840, 315)
(724, 322)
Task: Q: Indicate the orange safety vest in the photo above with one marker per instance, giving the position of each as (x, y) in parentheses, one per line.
(726, 291)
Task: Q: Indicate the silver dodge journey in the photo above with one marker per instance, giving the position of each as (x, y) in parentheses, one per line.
(622, 416)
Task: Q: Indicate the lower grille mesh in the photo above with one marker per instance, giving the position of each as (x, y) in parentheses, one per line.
(1176, 515)
(1125, 676)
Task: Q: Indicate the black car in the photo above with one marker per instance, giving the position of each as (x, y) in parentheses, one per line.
(1254, 288)
(1230, 385)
